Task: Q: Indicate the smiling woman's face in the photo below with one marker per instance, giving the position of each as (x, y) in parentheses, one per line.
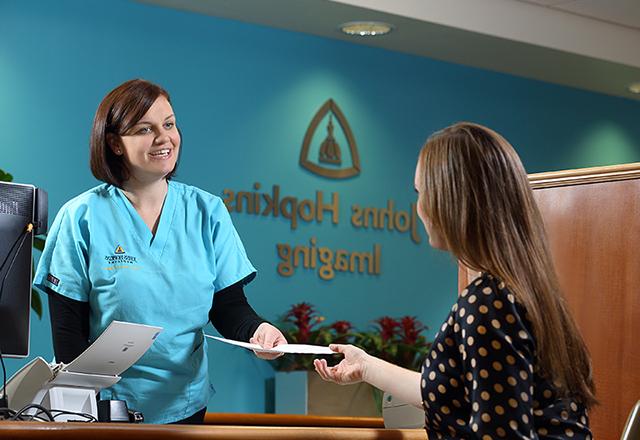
(150, 148)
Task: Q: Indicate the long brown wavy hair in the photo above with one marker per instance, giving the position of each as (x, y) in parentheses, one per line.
(479, 200)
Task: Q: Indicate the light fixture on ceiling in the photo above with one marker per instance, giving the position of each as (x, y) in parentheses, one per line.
(634, 87)
(366, 28)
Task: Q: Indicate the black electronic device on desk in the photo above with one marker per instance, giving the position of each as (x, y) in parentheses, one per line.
(39, 390)
(23, 214)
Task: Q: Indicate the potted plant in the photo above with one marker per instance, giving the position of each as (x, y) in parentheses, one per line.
(299, 390)
(399, 341)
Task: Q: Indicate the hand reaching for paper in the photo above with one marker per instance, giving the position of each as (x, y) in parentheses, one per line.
(267, 336)
(350, 370)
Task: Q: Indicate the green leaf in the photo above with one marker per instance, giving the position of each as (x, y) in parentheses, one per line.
(5, 177)
(36, 303)
(38, 242)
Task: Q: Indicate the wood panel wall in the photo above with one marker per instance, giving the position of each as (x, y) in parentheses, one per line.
(593, 222)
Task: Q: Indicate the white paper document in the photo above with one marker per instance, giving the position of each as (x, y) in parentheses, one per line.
(284, 348)
(116, 349)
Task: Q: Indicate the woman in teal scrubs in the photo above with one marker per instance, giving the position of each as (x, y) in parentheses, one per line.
(143, 248)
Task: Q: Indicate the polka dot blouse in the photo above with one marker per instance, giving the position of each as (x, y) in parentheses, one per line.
(480, 381)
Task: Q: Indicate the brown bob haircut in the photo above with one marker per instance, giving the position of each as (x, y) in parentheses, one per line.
(118, 112)
(479, 199)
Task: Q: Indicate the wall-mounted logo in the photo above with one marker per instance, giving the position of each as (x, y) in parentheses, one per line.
(329, 150)
(331, 154)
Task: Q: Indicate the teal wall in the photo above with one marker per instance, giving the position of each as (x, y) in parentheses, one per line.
(244, 96)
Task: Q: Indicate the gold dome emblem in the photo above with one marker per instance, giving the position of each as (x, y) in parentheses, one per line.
(330, 155)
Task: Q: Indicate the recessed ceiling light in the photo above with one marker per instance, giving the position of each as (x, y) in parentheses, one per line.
(366, 28)
(634, 87)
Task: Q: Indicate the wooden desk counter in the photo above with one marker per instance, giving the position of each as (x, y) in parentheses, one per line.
(292, 420)
(111, 431)
(275, 427)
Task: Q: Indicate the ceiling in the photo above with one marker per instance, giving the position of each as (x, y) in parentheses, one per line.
(587, 44)
(619, 12)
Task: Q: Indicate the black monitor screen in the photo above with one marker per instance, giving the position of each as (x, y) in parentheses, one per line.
(16, 213)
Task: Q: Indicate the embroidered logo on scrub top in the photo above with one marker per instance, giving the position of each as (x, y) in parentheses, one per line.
(121, 260)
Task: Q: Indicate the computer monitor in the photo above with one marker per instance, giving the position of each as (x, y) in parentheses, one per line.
(20, 206)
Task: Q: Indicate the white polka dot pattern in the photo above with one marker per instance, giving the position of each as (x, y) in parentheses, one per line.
(480, 381)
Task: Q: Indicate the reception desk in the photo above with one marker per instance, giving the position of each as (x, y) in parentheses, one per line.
(219, 426)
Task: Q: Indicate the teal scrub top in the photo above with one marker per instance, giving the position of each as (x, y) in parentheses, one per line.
(100, 250)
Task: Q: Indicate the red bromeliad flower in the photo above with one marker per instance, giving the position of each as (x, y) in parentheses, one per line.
(341, 327)
(304, 318)
(300, 310)
(411, 329)
(388, 327)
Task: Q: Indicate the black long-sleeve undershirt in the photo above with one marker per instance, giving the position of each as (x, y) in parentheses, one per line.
(230, 314)
(69, 326)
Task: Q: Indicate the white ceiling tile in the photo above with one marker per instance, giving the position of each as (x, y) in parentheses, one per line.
(623, 12)
(548, 2)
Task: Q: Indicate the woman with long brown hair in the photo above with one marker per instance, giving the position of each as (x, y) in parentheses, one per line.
(509, 361)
